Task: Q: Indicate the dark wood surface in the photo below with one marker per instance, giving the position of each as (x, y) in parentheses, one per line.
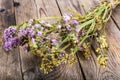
(19, 65)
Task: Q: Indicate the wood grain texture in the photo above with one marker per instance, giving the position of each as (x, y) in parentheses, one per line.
(116, 16)
(64, 5)
(9, 61)
(47, 8)
(94, 71)
(65, 72)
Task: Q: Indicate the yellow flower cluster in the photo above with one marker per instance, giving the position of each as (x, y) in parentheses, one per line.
(50, 61)
(102, 60)
(86, 47)
(102, 41)
(99, 23)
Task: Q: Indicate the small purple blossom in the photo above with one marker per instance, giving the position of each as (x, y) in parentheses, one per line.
(31, 32)
(8, 33)
(40, 33)
(63, 53)
(8, 45)
(24, 32)
(15, 42)
(54, 41)
(66, 18)
(7, 37)
(68, 28)
(75, 22)
(82, 33)
(76, 31)
(12, 43)
(33, 40)
(28, 31)
(37, 25)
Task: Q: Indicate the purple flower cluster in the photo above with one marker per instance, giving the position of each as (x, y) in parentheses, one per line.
(76, 31)
(8, 33)
(28, 32)
(37, 25)
(68, 28)
(40, 33)
(75, 22)
(66, 18)
(54, 41)
(31, 32)
(10, 40)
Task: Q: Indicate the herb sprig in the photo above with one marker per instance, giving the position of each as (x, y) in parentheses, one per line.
(58, 43)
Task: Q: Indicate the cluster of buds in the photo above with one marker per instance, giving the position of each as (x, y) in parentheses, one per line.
(102, 58)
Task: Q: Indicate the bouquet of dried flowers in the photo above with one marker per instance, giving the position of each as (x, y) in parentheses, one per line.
(58, 43)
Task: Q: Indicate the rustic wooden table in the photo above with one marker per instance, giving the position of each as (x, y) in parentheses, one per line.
(18, 65)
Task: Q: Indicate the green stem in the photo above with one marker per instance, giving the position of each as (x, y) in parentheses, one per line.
(65, 47)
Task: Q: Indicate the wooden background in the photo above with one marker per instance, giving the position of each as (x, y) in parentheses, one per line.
(18, 65)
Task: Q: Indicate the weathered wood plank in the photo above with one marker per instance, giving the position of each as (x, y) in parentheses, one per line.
(9, 61)
(91, 68)
(116, 16)
(47, 8)
(65, 5)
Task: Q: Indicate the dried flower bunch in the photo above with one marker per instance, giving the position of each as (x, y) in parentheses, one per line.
(58, 43)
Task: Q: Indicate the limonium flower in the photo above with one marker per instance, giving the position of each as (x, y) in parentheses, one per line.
(68, 28)
(37, 25)
(76, 31)
(31, 32)
(24, 32)
(33, 40)
(66, 18)
(63, 53)
(8, 45)
(40, 33)
(12, 43)
(82, 33)
(75, 22)
(54, 41)
(8, 33)
(15, 41)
